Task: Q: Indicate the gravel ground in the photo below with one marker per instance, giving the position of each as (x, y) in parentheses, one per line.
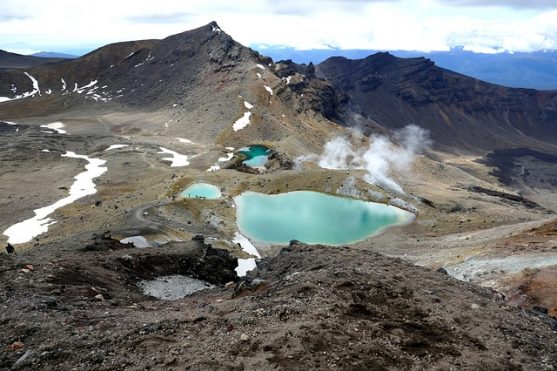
(309, 307)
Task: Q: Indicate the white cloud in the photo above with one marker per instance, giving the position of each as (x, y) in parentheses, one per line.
(303, 24)
(503, 3)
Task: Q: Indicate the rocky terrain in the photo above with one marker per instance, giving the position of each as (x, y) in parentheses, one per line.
(309, 307)
(155, 116)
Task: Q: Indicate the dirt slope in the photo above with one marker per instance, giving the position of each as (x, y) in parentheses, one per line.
(310, 307)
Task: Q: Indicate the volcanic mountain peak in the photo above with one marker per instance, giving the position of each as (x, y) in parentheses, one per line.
(459, 111)
(154, 70)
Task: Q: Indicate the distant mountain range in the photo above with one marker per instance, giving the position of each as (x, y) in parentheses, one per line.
(536, 70)
(205, 70)
(53, 55)
(13, 60)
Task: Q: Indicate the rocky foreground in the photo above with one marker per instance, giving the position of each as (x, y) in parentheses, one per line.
(310, 307)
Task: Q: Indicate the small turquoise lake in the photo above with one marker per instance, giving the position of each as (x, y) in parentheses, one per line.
(201, 190)
(313, 217)
(256, 155)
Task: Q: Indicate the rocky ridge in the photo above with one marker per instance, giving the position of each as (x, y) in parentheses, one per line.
(459, 111)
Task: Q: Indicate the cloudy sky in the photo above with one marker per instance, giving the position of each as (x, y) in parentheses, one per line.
(480, 25)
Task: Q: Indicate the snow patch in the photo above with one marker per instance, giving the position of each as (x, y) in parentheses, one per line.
(248, 106)
(260, 66)
(177, 160)
(242, 122)
(83, 186)
(245, 265)
(269, 90)
(56, 126)
(227, 158)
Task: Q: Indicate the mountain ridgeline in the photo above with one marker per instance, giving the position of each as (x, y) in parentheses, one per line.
(201, 70)
(534, 70)
(459, 111)
(13, 60)
(156, 70)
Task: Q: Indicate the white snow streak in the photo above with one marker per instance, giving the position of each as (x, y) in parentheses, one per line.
(32, 93)
(81, 89)
(182, 140)
(116, 146)
(35, 84)
(83, 186)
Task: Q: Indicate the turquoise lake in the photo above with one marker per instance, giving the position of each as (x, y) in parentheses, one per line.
(201, 190)
(313, 217)
(256, 155)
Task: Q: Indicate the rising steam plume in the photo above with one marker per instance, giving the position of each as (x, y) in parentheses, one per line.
(379, 158)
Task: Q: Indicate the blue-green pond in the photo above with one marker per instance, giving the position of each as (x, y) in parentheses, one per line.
(256, 155)
(313, 217)
(201, 190)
